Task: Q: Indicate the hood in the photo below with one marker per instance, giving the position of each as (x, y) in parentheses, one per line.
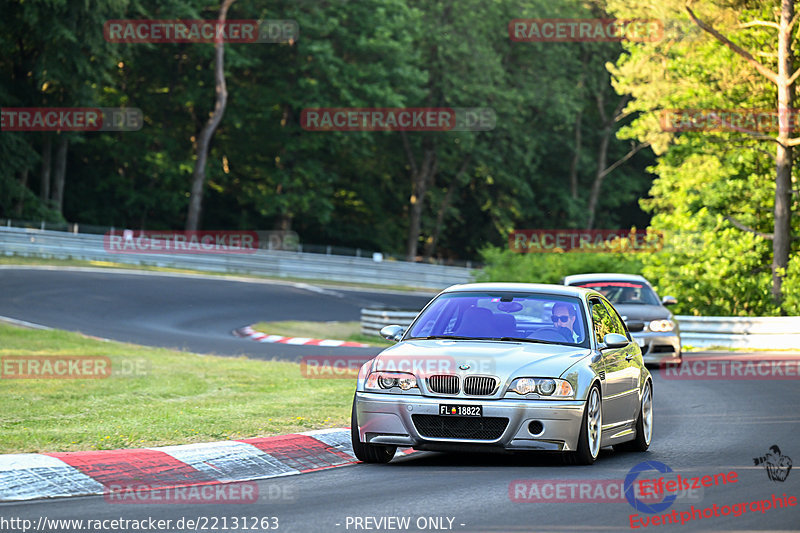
(503, 359)
(645, 313)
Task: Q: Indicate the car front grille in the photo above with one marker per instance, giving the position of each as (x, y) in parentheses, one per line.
(460, 427)
(443, 384)
(479, 385)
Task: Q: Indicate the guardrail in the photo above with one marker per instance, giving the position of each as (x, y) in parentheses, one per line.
(776, 333)
(373, 319)
(275, 263)
(771, 332)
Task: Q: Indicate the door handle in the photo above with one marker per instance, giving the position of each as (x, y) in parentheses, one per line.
(630, 356)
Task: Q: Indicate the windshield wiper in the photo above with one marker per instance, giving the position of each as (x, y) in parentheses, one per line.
(459, 338)
(520, 339)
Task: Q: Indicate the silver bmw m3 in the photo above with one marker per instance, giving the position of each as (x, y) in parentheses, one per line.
(506, 366)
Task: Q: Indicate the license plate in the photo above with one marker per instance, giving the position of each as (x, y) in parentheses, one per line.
(640, 342)
(460, 410)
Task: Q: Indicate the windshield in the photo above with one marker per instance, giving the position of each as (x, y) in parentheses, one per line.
(623, 292)
(544, 318)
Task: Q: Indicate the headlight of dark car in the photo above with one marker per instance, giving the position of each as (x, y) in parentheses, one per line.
(386, 381)
(544, 387)
(662, 326)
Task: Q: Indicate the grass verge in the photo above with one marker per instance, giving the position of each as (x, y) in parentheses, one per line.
(156, 397)
(340, 331)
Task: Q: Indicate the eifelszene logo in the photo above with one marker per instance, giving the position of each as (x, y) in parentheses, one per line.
(777, 465)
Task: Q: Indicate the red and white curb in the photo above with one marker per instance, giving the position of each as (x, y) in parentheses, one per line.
(31, 476)
(258, 336)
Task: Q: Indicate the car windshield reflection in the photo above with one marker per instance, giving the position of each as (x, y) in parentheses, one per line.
(498, 316)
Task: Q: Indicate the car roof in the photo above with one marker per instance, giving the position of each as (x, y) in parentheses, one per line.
(609, 276)
(542, 288)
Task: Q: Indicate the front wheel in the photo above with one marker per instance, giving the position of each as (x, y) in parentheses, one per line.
(365, 452)
(591, 431)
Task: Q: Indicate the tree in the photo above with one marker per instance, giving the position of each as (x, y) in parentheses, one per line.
(714, 188)
(214, 118)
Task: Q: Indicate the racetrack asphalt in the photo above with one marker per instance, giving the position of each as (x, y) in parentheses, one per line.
(702, 427)
(185, 312)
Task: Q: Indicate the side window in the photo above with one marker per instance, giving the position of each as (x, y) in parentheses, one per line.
(601, 320)
(616, 322)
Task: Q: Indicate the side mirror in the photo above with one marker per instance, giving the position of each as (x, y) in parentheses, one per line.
(668, 300)
(392, 333)
(615, 340)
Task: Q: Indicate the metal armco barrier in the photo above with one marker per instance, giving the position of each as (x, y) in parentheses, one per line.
(775, 333)
(89, 247)
(373, 319)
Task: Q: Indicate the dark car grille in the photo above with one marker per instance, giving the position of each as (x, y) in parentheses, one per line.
(479, 385)
(460, 427)
(443, 384)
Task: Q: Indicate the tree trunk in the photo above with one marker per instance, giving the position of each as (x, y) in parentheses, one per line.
(430, 248)
(602, 161)
(47, 150)
(421, 177)
(23, 181)
(284, 222)
(783, 170)
(573, 166)
(60, 174)
(204, 138)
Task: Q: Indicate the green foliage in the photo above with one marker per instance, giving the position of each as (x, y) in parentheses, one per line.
(705, 179)
(264, 170)
(506, 265)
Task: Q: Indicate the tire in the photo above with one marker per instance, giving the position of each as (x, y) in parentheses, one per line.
(591, 431)
(365, 452)
(644, 424)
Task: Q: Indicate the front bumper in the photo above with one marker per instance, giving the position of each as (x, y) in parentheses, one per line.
(659, 347)
(388, 419)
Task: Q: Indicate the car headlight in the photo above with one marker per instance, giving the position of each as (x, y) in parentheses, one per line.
(662, 326)
(389, 380)
(555, 388)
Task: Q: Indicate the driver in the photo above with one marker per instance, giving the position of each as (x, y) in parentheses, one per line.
(564, 317)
